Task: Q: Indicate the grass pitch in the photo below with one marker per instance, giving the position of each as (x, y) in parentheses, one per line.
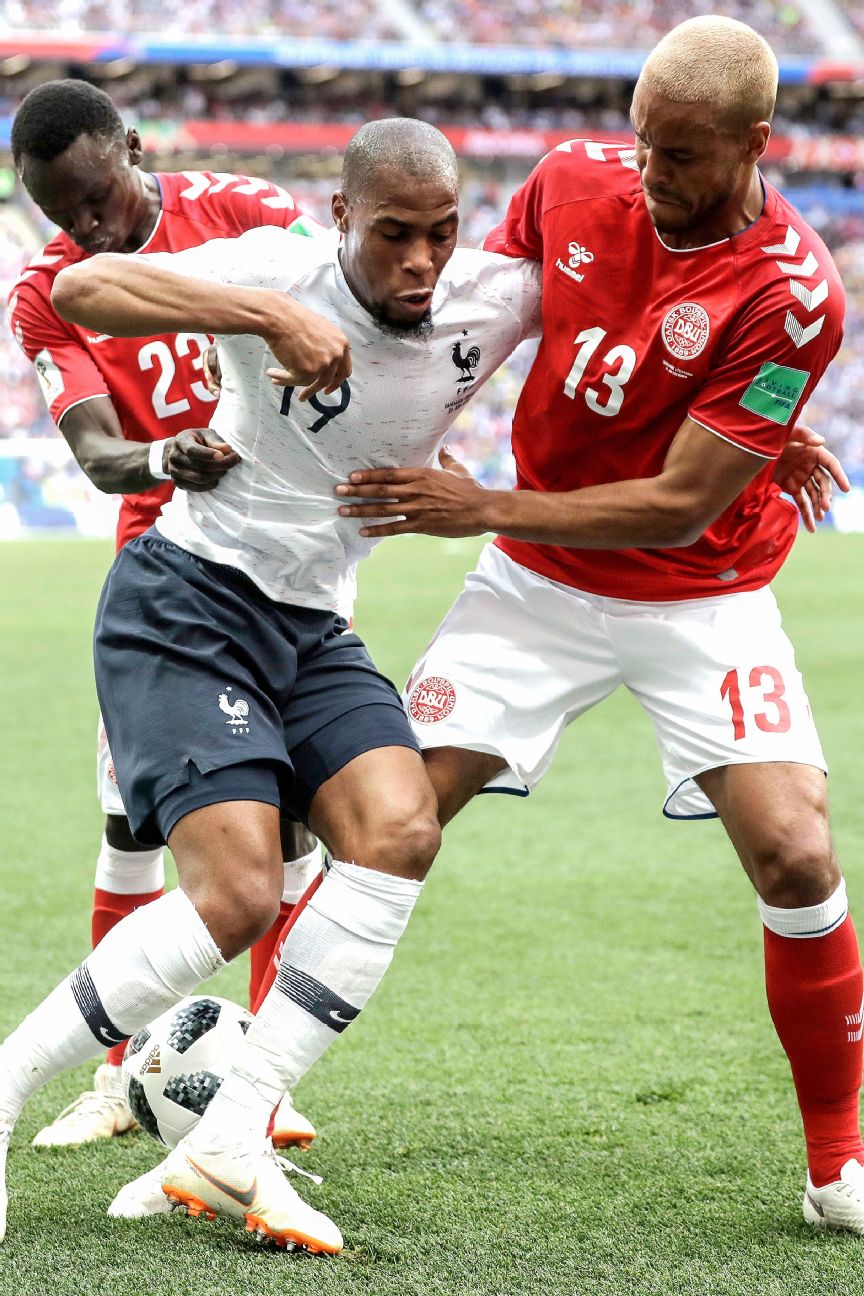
(568, 1084)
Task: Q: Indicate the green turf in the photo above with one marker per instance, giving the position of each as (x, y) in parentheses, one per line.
(568, 1083)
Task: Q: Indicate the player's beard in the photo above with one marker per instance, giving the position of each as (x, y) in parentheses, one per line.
(421, 328)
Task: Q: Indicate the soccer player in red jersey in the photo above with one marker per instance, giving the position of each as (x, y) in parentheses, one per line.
(135, 414)
(688, 313)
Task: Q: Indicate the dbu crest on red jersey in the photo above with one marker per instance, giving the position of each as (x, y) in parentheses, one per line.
(431, 700)
(685, 330)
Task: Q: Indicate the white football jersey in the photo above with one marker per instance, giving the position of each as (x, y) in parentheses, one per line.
(274, 516)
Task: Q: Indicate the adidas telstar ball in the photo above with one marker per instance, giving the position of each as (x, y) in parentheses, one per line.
(173, 1067)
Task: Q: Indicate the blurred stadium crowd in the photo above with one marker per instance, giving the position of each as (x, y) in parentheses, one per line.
(591, 23)
(820, 166)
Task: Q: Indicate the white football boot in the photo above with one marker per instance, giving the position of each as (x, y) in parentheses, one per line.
(5, 1136)
(144, 1195)
(839, 1205)
(248, 1185)
(99, 1113)
(290, 1127)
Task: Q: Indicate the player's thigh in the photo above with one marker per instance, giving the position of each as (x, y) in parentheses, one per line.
(379, 811)
(358, 779)
(719, 681)
(515, 660)
(776, 816)
(457, 775)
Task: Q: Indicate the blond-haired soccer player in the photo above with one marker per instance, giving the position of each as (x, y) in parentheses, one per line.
(688, 312)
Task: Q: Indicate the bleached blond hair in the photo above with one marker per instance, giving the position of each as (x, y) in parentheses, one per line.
(718, 61)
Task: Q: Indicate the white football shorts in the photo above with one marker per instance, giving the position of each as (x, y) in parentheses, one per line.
(518, 657)
(106, 780)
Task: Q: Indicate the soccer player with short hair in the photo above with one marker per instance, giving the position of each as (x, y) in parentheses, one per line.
(132, 412)
(229, 680)
(688, 313)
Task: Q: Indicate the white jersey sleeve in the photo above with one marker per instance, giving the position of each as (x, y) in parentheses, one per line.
(513, 284)
(268, 257)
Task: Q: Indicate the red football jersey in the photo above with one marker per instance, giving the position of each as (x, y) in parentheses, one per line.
(636, 337)
(155, 384)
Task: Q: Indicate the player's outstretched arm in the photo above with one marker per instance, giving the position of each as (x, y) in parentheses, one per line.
(130, 297)
(701, 477)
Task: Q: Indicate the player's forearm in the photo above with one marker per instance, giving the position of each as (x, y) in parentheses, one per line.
(126, 297)
(638, 514)
(119, 467)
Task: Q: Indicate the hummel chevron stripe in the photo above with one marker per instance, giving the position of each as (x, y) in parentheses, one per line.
(809, 298)
(799, 335)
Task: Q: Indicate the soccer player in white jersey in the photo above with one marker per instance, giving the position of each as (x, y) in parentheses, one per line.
(646, 527)
(229, 682)
(132, 411)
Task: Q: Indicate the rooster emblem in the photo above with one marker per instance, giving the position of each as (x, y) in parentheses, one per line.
(235, 711)
(466, 363)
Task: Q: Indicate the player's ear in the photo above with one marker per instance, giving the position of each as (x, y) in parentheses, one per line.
(757, 141)
(134, 145)
(339, 208)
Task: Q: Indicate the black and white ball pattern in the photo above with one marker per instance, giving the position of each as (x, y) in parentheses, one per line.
(173, 1067)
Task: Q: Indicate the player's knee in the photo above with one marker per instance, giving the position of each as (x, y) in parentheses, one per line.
(797, 867)
(406, 843)
(241, 905)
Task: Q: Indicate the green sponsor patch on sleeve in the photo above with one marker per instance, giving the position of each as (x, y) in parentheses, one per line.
(305, 225)
(774, 392)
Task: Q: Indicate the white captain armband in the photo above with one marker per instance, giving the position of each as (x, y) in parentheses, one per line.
(154, 460)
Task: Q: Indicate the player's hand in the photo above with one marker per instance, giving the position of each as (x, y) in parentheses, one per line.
(425, 500)
(212, 371)
(807, 471)
(313, 354)
(196, 460)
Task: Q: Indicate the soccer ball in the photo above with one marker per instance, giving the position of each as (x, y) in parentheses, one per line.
(173, 1067)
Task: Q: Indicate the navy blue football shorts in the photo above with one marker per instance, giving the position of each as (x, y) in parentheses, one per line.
(212, 692)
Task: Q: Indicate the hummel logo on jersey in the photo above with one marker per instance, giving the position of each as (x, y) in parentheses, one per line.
(236, 712)
(578, 256)
(465, 363)
(98, 337)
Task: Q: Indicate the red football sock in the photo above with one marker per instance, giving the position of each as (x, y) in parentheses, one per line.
(278, 933)
(108, 909)
(815, 996)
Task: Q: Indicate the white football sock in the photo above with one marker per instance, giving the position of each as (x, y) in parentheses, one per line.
(334, 956)
(129, 872)
(158, 954)
(300, 874)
